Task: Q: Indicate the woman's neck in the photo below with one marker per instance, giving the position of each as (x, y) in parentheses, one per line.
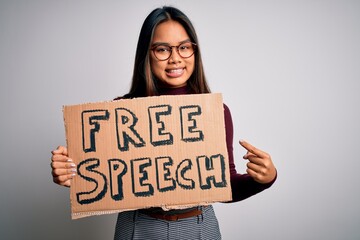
(174, 91)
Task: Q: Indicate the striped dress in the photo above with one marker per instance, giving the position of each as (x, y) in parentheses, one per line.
(138, 226)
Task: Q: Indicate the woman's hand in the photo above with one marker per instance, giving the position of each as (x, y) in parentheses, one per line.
(63, 168)
(260, 166)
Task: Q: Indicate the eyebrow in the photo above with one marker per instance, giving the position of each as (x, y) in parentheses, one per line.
(165, 43)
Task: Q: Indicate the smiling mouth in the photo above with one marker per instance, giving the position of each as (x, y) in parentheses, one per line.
(175, 72)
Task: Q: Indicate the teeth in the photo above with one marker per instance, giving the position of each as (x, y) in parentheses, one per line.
(175, 70)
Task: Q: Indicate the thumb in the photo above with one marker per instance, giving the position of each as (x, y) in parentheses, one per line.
(60, 150)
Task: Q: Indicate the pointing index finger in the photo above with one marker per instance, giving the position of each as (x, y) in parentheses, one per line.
(252, 149)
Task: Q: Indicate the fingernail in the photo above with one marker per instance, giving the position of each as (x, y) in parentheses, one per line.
(241, 141)
(69, 160)
(72, 165)
(73, 170)
(73, 175)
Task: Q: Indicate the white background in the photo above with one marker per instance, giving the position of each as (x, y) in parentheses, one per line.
(288, 70)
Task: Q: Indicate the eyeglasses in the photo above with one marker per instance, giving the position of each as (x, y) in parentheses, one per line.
(163, 52)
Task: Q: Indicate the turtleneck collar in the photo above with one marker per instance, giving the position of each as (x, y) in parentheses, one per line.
(174, 91)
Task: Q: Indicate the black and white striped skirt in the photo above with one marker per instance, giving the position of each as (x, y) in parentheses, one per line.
(136, 225)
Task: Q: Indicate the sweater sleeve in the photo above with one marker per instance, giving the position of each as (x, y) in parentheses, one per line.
(242, 185)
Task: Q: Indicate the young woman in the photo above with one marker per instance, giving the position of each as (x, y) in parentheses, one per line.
(168, 62)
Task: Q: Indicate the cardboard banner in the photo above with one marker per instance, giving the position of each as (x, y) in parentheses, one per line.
(167, 151)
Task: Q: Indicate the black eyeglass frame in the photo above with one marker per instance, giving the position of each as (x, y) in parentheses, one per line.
(194, 45)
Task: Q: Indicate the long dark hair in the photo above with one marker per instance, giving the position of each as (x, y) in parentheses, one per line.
(144, 82)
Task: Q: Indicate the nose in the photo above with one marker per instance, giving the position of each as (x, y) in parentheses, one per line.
(174, 57)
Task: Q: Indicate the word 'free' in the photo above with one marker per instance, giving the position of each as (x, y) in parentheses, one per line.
(127, 133)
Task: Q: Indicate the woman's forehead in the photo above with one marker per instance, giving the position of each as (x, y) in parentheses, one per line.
(170, 32)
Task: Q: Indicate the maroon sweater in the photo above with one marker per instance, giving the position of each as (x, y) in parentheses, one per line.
(242, 185)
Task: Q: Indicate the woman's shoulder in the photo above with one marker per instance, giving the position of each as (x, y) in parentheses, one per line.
(226, 109)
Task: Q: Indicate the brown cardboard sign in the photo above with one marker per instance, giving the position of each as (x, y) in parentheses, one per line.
(166, 151)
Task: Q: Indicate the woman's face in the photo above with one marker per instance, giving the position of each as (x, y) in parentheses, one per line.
(175, 71)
